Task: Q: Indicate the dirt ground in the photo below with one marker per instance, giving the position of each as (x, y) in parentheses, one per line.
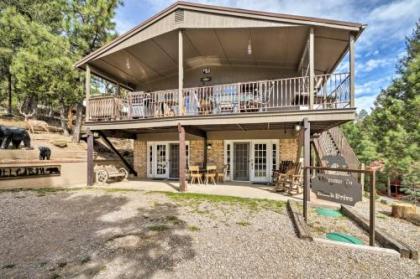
(116, 233)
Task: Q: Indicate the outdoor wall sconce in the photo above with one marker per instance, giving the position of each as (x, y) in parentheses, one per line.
(205, 79)
(297, 127)
(209, 146)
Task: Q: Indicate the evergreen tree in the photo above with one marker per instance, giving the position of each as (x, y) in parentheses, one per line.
(392, 131)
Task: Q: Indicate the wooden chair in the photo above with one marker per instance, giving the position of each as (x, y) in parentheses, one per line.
(210, 175)
(220, 176)
(284, 180)
(194, 174)
(296, 180)
(291, 181)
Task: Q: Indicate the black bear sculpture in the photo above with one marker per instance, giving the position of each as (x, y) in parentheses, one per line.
(15, 136)
(44, 153)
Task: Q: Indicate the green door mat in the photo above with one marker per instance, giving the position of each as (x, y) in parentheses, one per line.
(336, 236)
(328, 212)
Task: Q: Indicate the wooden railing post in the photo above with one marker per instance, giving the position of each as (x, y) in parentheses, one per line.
(87, 91)
(311, 68)
(351, 69)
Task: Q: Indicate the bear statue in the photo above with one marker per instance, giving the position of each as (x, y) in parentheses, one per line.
(44, 153)
(15, 136)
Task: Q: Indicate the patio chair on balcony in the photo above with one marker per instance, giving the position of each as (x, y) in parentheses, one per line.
(194, 174)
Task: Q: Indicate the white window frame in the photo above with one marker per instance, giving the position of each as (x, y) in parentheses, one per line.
(152, 174)
(269, 143)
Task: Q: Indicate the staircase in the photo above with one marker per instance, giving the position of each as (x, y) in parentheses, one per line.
(333, 150)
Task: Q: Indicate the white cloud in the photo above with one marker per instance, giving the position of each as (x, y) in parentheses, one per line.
(372, 64)
(365, 103)
(123, 25)
(372, 87)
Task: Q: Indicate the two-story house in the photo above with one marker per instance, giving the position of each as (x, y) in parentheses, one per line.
(222, 85)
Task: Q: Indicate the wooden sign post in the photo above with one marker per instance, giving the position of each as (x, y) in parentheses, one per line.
(344, 189)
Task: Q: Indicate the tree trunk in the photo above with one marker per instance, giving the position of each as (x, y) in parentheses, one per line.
(402, 210)
(78, 126)
(63, 121)
(388, 186)
(9, 78)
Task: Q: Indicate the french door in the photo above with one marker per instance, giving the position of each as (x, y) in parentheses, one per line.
(163, 159)
(260, 162)
(241, 161)
(251, 160)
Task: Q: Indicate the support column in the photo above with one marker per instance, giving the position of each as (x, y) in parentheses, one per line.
(90, 172)
(306, 164)
(87, 90)
(182, 159)
(311, 68)
(180, 72)
(351, 69)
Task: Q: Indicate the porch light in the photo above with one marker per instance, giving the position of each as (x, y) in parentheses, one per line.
(249, 47)
(297, 127)
(209, 146)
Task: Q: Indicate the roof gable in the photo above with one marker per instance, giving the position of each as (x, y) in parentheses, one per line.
(191, 15)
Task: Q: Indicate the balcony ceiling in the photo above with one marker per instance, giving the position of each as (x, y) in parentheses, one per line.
(276, 48)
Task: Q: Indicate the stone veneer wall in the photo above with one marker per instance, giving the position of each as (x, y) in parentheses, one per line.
(196, 152)
(140, 158)
(288, 149)
(216, 154)
(287, 146)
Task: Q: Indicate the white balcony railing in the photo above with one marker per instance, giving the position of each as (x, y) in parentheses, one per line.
(331, 92)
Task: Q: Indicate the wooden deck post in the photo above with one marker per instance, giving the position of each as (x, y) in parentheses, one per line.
(87, 90)
(311, 68)
(90, 172)
(306, 164)
(372, 208)
(182, 158)
(351, 69)
(180, 72)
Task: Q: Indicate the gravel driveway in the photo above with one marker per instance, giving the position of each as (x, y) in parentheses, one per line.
(133, 234)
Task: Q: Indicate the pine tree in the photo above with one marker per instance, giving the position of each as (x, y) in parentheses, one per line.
(392, 131)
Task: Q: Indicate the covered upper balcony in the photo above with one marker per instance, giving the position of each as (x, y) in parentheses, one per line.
(195, 61)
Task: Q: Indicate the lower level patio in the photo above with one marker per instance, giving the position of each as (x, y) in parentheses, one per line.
(227, 188)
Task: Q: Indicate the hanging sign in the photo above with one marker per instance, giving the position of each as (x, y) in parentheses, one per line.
(340, 188)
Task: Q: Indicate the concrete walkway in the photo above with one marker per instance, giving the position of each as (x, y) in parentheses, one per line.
(236, 189)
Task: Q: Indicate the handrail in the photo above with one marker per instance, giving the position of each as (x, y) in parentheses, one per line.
(332, 92)
(344, 147)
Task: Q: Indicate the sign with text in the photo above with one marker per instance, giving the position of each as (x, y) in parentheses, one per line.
(17, 172)
(340, 188)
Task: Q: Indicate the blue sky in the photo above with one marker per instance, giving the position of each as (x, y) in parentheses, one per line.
(377, 50)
